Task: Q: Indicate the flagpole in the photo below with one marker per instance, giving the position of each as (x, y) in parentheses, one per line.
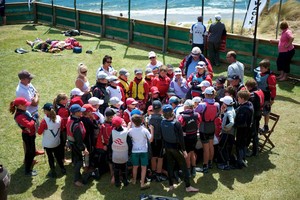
(254, 58)
(278, 20)
(233, 12)
(165, 27)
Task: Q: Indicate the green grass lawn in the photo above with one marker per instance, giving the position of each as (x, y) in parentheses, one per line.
(272, 175)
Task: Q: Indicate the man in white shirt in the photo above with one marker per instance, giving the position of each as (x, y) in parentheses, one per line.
(235, 67)
(153, 61)
(198, 34)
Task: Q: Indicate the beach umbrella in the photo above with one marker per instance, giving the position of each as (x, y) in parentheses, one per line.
(165, 27)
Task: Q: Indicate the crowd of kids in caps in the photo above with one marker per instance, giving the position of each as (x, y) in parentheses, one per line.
(148, 128)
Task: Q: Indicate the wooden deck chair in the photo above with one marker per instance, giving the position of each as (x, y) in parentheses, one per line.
(266, 135)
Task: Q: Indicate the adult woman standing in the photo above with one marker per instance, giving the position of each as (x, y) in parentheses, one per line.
(82, 82)
(286, 51)
(27, 123)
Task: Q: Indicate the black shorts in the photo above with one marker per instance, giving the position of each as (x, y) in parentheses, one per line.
(190, 142)
(156, 147)
(205, 137)
(284, 60)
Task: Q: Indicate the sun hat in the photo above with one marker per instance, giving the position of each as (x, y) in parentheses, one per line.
(201, 64)
(167, 108)
(101, 75)
(204, 83)
(189, 103)
(138, 71)
(173, 99)
(113, 79)
(109, 112)
(197, 99)
(177, 71)
(154, 90)
(135, 112)
(123, 71)
(151, 54)
(196, 51)
(95, 101)
(218, 17)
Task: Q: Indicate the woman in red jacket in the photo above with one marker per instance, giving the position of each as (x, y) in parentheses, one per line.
(27, 123)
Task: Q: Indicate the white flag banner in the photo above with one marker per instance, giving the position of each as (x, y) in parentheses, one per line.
(251, 12)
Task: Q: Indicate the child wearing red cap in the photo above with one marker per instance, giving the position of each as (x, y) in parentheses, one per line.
(119, 148)
(27, 123)
(51, 127)
(131, 105)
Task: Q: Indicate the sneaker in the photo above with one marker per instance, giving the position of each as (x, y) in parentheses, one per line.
(145, 186)
(31, 173)
(96, 174)
(39, 152)
(202, 169)
(193, 171)
(191, 189)
(265, 129)
(163, 177)
(223, 166)
(245, 163)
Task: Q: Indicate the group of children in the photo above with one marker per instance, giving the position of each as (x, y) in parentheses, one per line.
(150, 126)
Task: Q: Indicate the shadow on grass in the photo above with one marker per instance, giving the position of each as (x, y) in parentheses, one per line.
(29, 27)
(256, 166)
(52, 31)
(17, 178)
(207, 183)
(46, 189)
(285, 99)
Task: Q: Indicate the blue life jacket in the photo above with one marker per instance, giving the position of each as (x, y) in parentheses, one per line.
(168, 131)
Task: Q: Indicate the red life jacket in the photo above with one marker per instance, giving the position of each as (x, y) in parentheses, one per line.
(261, 97)
(210, 112)
(71, 126)
(104, 135)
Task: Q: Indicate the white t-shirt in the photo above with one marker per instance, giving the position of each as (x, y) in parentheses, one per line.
(158, 64)
(139, 140)
(28, 92)
(198, 30)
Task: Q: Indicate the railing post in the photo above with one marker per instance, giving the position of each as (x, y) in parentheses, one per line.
(34, 10)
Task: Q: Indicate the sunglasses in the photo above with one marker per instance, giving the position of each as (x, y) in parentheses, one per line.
(83, 72)
(151, 57)
(108, 61)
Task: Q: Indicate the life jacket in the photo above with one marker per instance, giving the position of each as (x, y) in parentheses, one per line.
(210, 112)
(28, 117)
(138, 90)
(262, 81)
(168, 131)
(125, 87)
(190, 119)
(99, 90)
(119, 146)
(198, 79)
(261, 97)
(115, 91)
(155, 120)
(73, 125)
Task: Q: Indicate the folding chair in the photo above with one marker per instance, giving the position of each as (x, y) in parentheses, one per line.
(266, 135)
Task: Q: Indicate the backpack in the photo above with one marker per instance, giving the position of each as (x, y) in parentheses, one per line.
(191, 126)
(168, 131)
(212, 114)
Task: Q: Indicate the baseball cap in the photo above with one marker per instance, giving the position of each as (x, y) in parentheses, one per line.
(116, 121)
(21, 101)
(113, 79)
(151, 54)
(173, 99)
(167, 108)
(148, 72)
(138, 71)
(227, 100)
(123, 71)
(218, 17)
(209, 90)
(154, 90)
(48, 106)
(197, 99)
(135, 112)
(131, 101)
(221, 79)
(204, 83)
(101, 75)
(233, 77)
(189, 103)
(177, 71)
(77, 92)
(25, 74)
(89, 108)
(115, 100)
(196, 51)
(156, 104)
(201, 64)
(76, 108)
(95, 101)
(109, 112)
(171, 92)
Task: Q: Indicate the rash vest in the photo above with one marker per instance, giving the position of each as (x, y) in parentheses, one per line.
(119, 146)
(71, 126)
(51, 135)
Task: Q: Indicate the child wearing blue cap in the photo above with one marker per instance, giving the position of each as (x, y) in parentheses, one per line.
(172, 135)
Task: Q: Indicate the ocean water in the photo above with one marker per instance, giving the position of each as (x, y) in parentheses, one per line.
(179, 11)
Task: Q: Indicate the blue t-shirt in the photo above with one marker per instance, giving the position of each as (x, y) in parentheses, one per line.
(191, 67)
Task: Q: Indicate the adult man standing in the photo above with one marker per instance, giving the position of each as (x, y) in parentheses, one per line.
(153, 61)
(26, 90)
(235, 67)
(197, 34)
(215, 33)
